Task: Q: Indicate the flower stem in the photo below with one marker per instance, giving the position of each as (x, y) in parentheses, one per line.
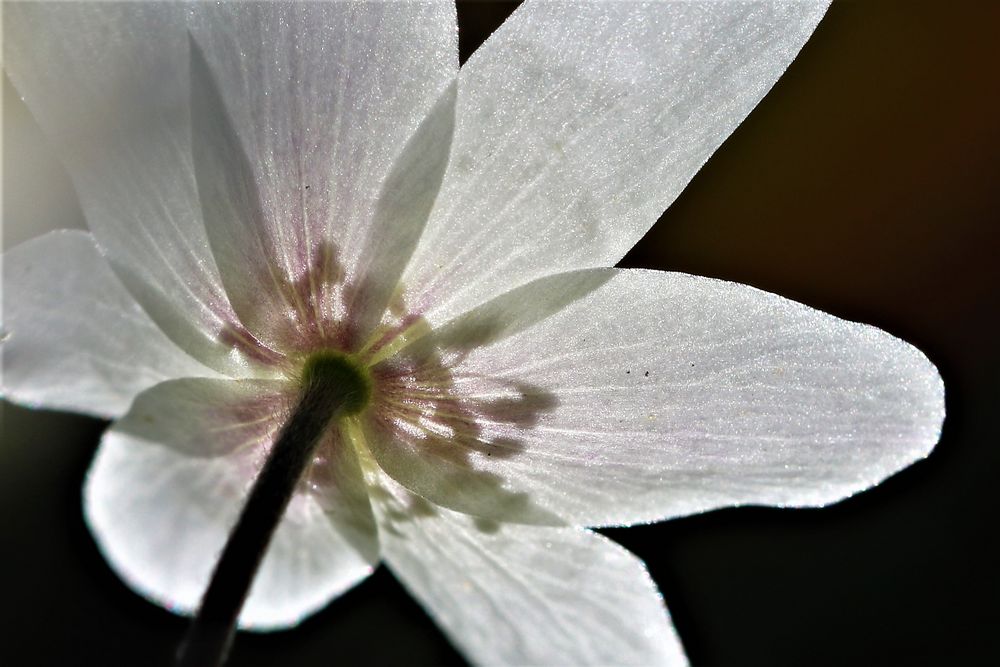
(211, 633)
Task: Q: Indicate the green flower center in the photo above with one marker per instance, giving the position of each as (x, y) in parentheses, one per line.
(341, 374)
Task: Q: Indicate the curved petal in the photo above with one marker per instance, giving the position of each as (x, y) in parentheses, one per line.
(314, 103)
(171, 477)
(661, 394)
(73, 338)
(108, 84)
(578, 124)
(525, 595)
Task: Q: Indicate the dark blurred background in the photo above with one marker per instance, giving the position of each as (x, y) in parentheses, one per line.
(867, 184)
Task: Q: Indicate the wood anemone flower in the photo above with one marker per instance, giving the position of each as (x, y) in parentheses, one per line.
(281, 190)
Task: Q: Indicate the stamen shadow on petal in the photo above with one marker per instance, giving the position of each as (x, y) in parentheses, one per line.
(399, 508)
(441, 431)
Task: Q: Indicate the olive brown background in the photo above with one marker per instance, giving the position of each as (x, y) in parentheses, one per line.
(867, 184)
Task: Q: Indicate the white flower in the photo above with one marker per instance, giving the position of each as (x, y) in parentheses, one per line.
(268, 181)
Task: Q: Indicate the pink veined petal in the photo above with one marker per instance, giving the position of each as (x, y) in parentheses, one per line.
(72, 337)
(655, 395)
(300, 111)
(324, 95)
(578, 124)
(508, 594)
(171, 476)
(108, 85)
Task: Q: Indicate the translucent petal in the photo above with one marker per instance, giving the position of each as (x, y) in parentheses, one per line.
(578, 124)
(525, 595)
(170, 478)
(73, 337)
(314, 104)
(657, 394)
(108, 83)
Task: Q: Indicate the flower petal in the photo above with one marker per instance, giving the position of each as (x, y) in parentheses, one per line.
(578, 124)
(171, 477)
(315, 103)
(661, 394)
(526, 595)
(73, 338)
(108, 84)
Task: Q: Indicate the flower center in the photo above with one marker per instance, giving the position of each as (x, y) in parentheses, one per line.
(332, 368)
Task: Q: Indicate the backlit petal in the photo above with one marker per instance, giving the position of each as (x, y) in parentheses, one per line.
(170, 478)
(657, 394)
(523, 595)
(315, 103)
(73, 337)
(578, 124)
(108, 83)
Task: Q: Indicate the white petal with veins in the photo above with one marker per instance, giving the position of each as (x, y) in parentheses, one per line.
(662, 394)
(171, 476)
(73, 337)
(108, 84)
(315, 102)
(525, 595)
(578, 123)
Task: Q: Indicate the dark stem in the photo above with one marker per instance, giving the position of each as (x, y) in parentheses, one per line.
(211, 632)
